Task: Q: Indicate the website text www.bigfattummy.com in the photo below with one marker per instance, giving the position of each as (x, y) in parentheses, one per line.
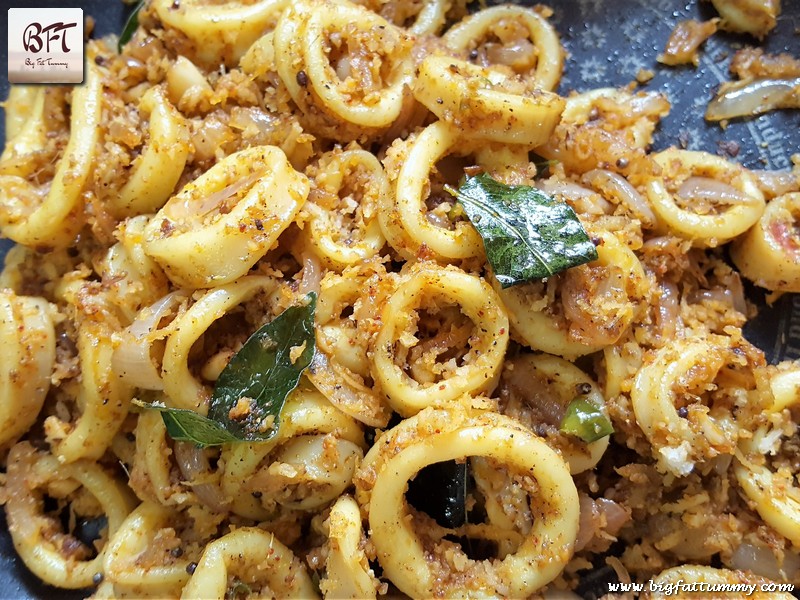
(699, 587)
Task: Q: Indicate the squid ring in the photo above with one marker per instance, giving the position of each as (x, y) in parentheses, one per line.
(36, 537)
(769, 253)
(213, 230)
(252, 554)
(481, 368)
(479, 102)
(434, 436)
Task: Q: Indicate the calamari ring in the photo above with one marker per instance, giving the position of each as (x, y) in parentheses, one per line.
(27, 335)
(254, 556)
(37, 538)
(214, 229)
(704, 230)
(433, 436)
(774, 493)
(463, 36)
(156, 171)
(769, 253)
(480, 103)
(481, 369)
(131, 540)
(219, 32)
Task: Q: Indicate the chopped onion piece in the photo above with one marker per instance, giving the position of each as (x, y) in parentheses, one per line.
(193, 465)
(748, 98)
(194, 207)
(312, 274)
(710, 190)
(619, 187)
(132, 360)
(762, 561)
(776, 183)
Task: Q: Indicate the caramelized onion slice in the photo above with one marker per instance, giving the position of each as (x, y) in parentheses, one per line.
(132, 360)
(753, 97)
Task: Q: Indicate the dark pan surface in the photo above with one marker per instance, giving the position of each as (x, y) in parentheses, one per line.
(608, 42)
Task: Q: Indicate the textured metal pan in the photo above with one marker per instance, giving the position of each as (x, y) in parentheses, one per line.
(608, 42)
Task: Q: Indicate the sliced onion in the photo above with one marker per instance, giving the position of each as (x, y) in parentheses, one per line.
(762, 561)
(311, 277)
(615, 515)
(192, 207)
(588, 524)
(667, 307)
(710, 190)
(596, 515)
(776, 183)
(193, 465)
(132, 360)
(733, 282)
(622, 573)
(247, 118)
(754, 97)
(519, 52)
(582, 199)
(623, 191)
(713, 295)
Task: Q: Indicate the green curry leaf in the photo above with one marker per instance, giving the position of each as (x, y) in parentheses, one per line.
(527, 234)
(253, 387)
(130, 26)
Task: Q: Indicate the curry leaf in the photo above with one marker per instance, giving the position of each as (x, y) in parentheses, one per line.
(130, 26)
(188, 426)
(253, 387)
(586, 420)
(527, 234)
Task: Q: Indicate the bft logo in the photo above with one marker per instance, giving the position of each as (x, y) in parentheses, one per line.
(32, 37)
(45, 45)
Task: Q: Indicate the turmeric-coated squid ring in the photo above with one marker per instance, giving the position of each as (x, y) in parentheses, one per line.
(154, 476)
(682, 400)
(417, 214)
(218, 32)
(583, 325)
(146, 557)
(156, 171)
(426, 566)
(54, 556)
(182, 387)
(288, 469)
(134, 279)
(536, 389)
(485, 104)
(347, 570)
(703, 198)
(51, 217)
(253, 558)
(462, 312)
(769, 252)
(103, 398)
(214, 229)
(485, 32)
(20, 106)
(27, 335)
(772, 489)
(345, 323)
(343, 227)
(313, 43)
